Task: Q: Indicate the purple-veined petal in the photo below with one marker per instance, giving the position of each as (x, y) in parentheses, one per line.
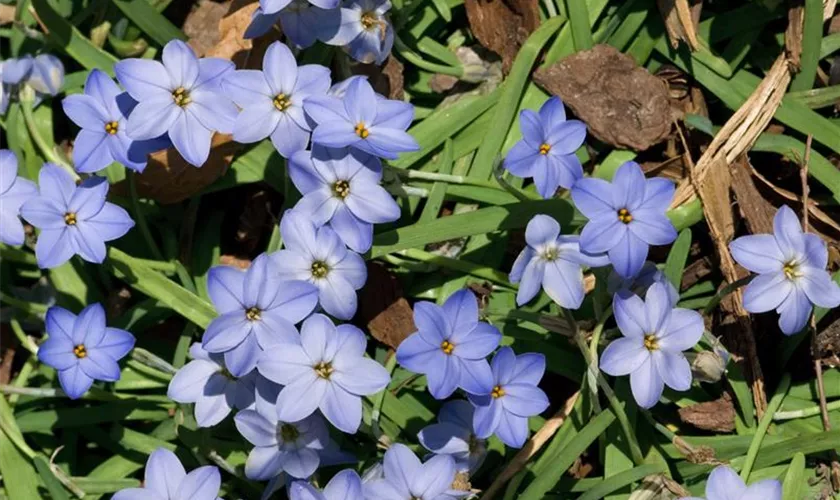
(602, 235)
(819, 287)
(85, 111)
(354, 232)
(181, 64)
(431, 322)
(360, 102)
(91, 152)
(594, 197)
(111, 222)
(524, 400)
(99, 366)
(54, 248)
(443, 378)
(256, 428)
(757, 252)
(301, 463)
(263, 463)
(770, 489)
(486, 418)
(56, 184)
(337, 296)
(88, 198)
(521, 158)
(225, 285)
(628, 182)
(532, 279)
(401, 466)
(567, 137)
(242, 359)
(541, 229)
(285, 364)
(624, 356)
(190, 138)
(201, 483)
(563, 282)
(683, 331)
(280, 69)
(794, 312)
(659, 193)
(788, 233)
(74, 381)
(652, 227)
(767, 291)
(256, 122)
(187, 386)
(657, 308)
(724, 484)
(444, 438)
(532, 128)
(301, 398)
(476, 376)
(341, 408)
(371, 203)
(546, 178)
(435, 478)
(226, 332)
(646, 384)
(247, 87)
(43, 213)
(528, 369)
(630, 315)
(153, 117)
(144, 79)
(362, 378)
(289, 137)
(512, 429)
(816, 251)
(673, 368)
(213, 406)
(417, 355)
(164, 473)
(475, 341)
(352, 268)
(629, 255)
(57, 352)
(461, 311)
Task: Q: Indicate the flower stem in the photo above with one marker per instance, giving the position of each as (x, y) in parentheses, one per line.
(390, 365)
(24, 339)
(49, 153)
(499, 175)
(805, 412)
(723, 292)
(615, 404)
(772, 407)
(141, 218)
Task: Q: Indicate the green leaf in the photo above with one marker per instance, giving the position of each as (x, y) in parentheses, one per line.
(795, 478)
(54, 487)
(13, 464)
(68, 38)
(622, 479)
(150, 21)
(812, 31)
(677, 258)
(157, 286)
(485, 220)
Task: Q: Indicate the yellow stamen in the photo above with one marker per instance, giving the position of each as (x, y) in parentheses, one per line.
(181, 96)
(545, 148)
(651, 344)
(253, 314)
(625, 216)
(447, 347)
(70, 218)
(112, 127)
(361, 130)
(320, 269)
(497, 392)
(341, 189)
(80, 351)
(289, 433)
(324, 369)
(791, 270)
(282, 102)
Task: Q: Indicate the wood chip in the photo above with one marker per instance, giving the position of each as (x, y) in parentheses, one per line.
(756, 211)
(681, 20)
(621, 103)
(716, 416)
(793, 35)
(201, 25)
(382, 307)
(503, 25)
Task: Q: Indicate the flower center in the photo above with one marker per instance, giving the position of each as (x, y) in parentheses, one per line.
(181, 96)
(112, 127)
(624, 216)
(550, 254)
(497, 392)
(226, 374)
(791, 270)
(70, 218)
(324, 369)
(447, 347)
(545, 148)
(80, 351)
(282, 102)
(341, 189)
(369, 20)
(361, 130)
(320, 269)
(289, 433)
(651, 344)
(253, 314)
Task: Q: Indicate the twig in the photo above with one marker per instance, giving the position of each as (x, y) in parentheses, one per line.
(536, 443)
(826, 422)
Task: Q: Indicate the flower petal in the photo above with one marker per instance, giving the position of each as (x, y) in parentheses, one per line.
(652, 227)
(74, 381)
(190, 138)
(187, 386)
(164, 473)
(683, 331)
(256, 428)
(628, 182)
(224, 286)
(788, 233)
(724, 484)
(512, 429)
(247, 87)
(521, 158)
(766, 292)
(242, 359)
(674, 369)
(541, 230)
(435, 478)
(757, 252)
(477, 342)
(629, 255)
(563, 282)
(820, 288)
(594, 197)
(524, 400)
(371, 203)
(341, 408)
(646, 384)
(630, 315)
(363, 377)
(486, 418)
(264, 463)
(794, 312)
(201, 483)
(280, 68)
(417, 355)
(431, 322)
(443, 379)
(623, 356)
(256, 122)
(86, 112)
(54, 248)
(602, 235)
(567, 137)
(143, 78)
(301, 398)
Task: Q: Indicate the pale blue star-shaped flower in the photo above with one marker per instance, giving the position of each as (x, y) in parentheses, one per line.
(206, 382)
(655, 334)
(453, 435)
(256, 309)
(346, 485)
(791, 272)
(325, 370)
(406, 478)
(272, 99)
(450, 346)
(73, 219)
(341, 188)
(318, 255)
(365, 33)
(552, 261)
(102, 113)
(625, 216)
(546, 151)
(363, 121)
(166, 479)
(14, 191)
(290, 447)
(181, 96)
(510, 398)
(82, 348)
(300, 21)
(648, 275)
(724, 484)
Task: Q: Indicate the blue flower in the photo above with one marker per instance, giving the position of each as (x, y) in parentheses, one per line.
(362, 120)
(274, 6)
(648, 275)
(272, 99)
(650, 351)
(82, 348)
(511, 397)
(279, 446)
(406, 478)
(553, 261)
(17, 71)
(625, 217)
(101, 112)
(166, 479)
(341, 188)
(453, 435)
(47, 75)
(791, 272)
(206, 382)
(318, 255)
(346, 485)
(724, 484)
(73, 219)
(326, 369)
(450, 345)
(365, 31)
(256, 310)
(14, 191)
(547, 149)
(301, 22)
(182, 97)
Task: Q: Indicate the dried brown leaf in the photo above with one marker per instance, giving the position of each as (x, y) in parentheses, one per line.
(503, 25)
(621, 103)
(383, 308)
(7, 14)
(716, 416)
(756, 211)
(202, 25)
(793, 35)
(681, 21)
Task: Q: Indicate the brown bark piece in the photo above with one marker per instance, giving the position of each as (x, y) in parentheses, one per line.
(503, 25)
(383, 308)
(201, 25)
(681, 21)
(793, 35)
(716, 416)
(757, 211)
(621, 103)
